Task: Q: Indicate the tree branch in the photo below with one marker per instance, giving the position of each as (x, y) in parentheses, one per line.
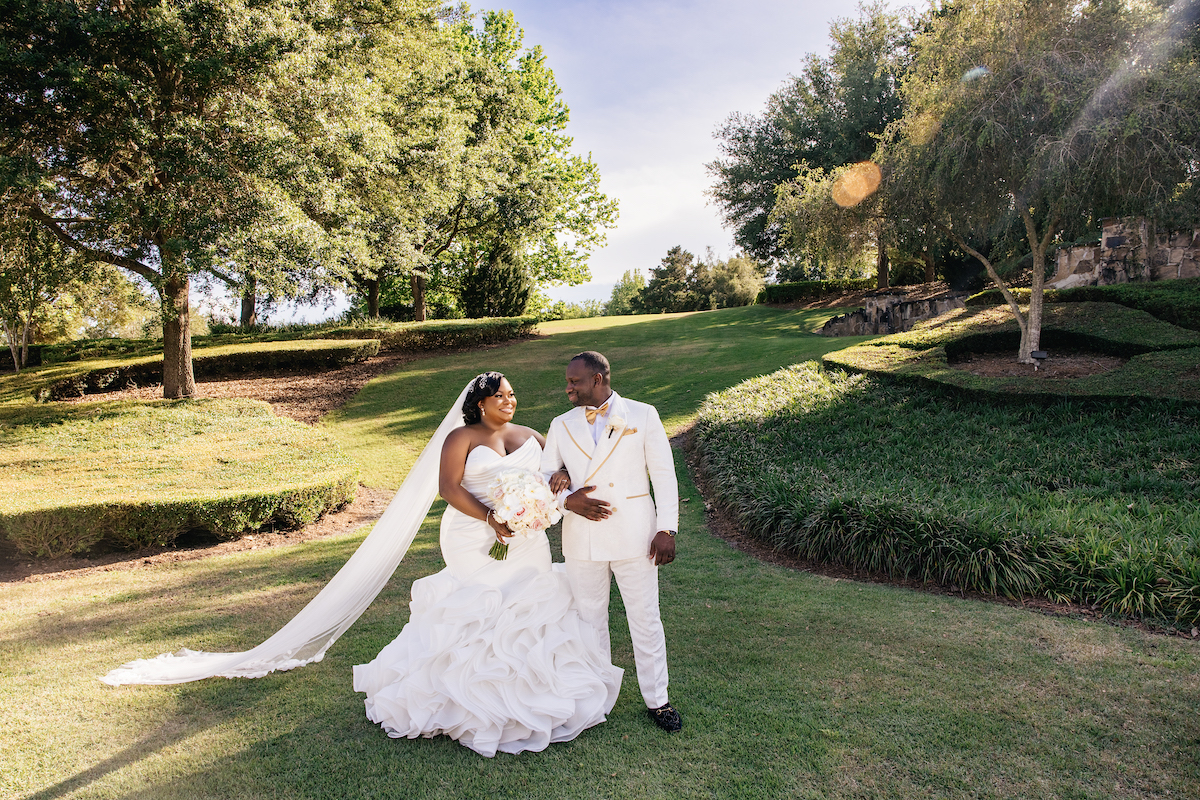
(453, 230)
(991, 271)
(225, 278)
(51, 224)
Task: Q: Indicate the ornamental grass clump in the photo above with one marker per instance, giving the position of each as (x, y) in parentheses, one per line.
(1081, 501)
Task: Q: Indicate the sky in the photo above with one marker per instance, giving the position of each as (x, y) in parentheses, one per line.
(648, 82)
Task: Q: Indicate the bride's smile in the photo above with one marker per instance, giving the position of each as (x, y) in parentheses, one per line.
(501, 406)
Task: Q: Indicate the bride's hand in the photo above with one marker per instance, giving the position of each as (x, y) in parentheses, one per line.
(559, 481)
(501, 529)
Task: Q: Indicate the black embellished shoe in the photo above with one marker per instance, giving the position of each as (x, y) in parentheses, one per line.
(666, 718)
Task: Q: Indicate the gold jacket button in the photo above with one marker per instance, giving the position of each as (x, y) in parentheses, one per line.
(612, 484)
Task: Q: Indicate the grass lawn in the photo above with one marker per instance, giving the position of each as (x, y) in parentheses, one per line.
(791, 685)
(671, 361)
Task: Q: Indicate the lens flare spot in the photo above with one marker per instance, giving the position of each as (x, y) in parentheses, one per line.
(856, 184)
(975, 73)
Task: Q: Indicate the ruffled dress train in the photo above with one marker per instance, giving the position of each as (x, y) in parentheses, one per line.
(494, 654)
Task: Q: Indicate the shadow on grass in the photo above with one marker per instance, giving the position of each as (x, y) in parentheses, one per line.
(166, 735)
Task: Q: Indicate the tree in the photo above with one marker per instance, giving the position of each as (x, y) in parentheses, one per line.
(669, 289)
(496, 286)
(832, 239)
(502, 180)
(34, 269)
(1030, 120)
(140, 133)
(736, 282)
(623, 293)
(827, 117)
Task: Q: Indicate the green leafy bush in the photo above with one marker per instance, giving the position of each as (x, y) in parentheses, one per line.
(1173, 301)
(437, 334)
(811, 290)
(129, 475)
(1079, 501)
(227, 360)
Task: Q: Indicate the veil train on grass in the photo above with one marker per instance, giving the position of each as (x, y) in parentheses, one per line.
(327, 616)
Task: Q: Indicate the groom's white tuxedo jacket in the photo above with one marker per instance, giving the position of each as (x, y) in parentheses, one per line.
(632, 453)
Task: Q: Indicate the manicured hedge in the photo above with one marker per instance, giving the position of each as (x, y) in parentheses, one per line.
(1091, 502)
(811, 290)
(226, 360)
(1162, 357)
(1173, 301)
(1103, 327)
(129, 475)
(437, 334)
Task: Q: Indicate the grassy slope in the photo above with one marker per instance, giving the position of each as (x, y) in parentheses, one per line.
(16, 389)
(671, 361)
(1162, 364)
(791, 684)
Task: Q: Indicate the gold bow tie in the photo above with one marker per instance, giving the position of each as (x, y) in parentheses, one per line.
(593, 412)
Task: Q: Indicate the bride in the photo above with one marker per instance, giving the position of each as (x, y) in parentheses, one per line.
(494, 654)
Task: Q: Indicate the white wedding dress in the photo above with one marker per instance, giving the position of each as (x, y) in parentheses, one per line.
(494, 654)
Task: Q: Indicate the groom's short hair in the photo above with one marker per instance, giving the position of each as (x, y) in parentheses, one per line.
(594, 361)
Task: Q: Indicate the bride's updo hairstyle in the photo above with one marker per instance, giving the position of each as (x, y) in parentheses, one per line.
(485, 385)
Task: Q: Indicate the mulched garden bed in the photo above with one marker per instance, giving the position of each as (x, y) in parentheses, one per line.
(1063, 366)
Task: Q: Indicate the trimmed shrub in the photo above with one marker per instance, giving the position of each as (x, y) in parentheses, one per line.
(811, 290)
(1071, 501)
(1173, 301)
(129, 475)
(228, 360)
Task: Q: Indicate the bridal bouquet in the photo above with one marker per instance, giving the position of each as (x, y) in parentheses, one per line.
(521, 499)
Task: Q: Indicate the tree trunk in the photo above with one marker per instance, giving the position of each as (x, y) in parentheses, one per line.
(372, 297)
(178, 380)
(1013, 306)
(881, 268)
(249, 315)
(930, 273)
(418, 293)
(11, 335)
(25, 339)
(1032, 338)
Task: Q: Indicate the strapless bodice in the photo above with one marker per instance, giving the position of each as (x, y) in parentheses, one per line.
(484, 464)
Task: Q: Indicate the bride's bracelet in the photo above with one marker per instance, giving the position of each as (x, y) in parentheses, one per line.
(487, 518)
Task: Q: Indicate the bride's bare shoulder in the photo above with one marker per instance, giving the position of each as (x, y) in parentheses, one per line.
(527, 433)
(460, 439)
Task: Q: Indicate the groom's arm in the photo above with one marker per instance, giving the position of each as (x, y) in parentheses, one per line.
(660, 463)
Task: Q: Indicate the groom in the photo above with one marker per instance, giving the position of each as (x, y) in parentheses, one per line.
(611, 450)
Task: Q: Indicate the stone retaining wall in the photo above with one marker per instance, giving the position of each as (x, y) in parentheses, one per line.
(889, 313)
(1129, 250)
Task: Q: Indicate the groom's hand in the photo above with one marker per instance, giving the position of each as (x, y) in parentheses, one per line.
(662, 548)
(589, 507)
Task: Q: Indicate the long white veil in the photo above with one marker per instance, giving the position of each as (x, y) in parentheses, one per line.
(327, 616)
